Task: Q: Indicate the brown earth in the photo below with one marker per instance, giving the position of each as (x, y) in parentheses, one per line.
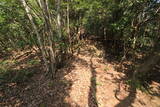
(86, 81)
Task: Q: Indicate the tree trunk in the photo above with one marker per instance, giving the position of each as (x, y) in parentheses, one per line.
(59, 19)
(28, 12)
(68, 26)
(46, 14)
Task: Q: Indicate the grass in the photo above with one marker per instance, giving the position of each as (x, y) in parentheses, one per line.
(16, 76)
(98, 84)
(8, 74)
(106, 68)
(33, 62)
(7, 62)
(4, 65)
(137, 84)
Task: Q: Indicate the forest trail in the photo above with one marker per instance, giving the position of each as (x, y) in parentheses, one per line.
(95, 83)
(86, 81)
(98, 84)
(80, 53)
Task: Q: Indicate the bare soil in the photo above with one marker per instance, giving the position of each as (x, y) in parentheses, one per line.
(86, 81)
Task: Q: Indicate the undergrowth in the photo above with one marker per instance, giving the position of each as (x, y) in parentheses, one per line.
(142, 82)
(8, 74)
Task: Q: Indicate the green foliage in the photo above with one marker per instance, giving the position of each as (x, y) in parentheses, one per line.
(5, 65)
(33, 62)
(106, 68)
(131, 25)
(98, 84)
(17, 76)
(141, 82)
(42, 105)
(137, 84)
(7, 74)
(15, 29)
(119, 18)
(94, 15)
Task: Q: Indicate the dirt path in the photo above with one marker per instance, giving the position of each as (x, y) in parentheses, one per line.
(87, 81)
(98, 84)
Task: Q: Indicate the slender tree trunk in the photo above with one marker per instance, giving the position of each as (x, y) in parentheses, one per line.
(44, 6)
(59, 19)
(134, 42)
(27, 9)
(68, 25)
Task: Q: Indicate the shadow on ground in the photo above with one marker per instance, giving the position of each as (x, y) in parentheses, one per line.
(127, 101)
(128, 66)
(144, 82)
(26, 86)
(92, 99)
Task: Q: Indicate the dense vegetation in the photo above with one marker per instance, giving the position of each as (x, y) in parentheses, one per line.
(124, 29)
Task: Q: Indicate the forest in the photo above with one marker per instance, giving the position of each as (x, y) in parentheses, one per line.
(79, 53)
